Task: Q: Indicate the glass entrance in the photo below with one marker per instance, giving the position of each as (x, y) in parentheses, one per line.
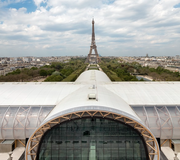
(92, 139)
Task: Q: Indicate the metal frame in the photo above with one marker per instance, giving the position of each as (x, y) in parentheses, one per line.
(2, 121)
(21, 142)
(166, 121)
(162, 120)
(166, 140)
(150, 140)
(158, 119)
(18, 120)
(146, 116)
(8, 122)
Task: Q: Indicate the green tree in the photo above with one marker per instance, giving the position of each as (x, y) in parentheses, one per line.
(57, 65)
(56, 73)
(54, 78)
(43, 72)
(34, 68)
(17, 71)
(50, 71)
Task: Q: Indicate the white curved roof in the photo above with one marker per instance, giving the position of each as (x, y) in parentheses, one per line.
(105, 100)
(26, 105)
(91, 76)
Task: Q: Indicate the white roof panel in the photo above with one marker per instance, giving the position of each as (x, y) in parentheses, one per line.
(156, 93)
(35, 93)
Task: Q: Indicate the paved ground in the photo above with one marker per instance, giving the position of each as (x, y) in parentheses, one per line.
(38, 79)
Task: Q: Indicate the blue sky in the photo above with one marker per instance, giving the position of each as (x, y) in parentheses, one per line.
(28, 4)
(177, 5)
(63, 27)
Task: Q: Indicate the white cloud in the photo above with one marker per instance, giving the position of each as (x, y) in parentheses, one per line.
(65, 26)
(8, 2)
(46, 46)
(38, 2)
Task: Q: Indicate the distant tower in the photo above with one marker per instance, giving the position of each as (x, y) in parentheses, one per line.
(93, 58)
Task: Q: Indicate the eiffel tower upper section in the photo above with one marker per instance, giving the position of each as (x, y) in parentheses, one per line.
(93, 58)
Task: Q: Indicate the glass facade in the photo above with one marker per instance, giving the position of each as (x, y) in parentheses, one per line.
(162, 120)
(92, 139)
(19, 122)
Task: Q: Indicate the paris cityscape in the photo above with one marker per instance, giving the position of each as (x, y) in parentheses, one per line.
(89, 80)
(10, 64)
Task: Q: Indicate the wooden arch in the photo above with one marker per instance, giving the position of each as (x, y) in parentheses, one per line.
(150, 140)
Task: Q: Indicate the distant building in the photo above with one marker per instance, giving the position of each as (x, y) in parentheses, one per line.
(177, 57)
(27, 59)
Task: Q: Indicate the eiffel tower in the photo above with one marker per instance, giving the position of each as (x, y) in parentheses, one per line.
(93, 58)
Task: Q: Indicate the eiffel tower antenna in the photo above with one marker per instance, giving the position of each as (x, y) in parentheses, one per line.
(93, 58)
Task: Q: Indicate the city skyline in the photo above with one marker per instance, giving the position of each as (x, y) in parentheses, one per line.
(60, 28)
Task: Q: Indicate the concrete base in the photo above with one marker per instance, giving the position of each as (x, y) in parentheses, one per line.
(176, 143)
(177, 148)
(7, 146)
